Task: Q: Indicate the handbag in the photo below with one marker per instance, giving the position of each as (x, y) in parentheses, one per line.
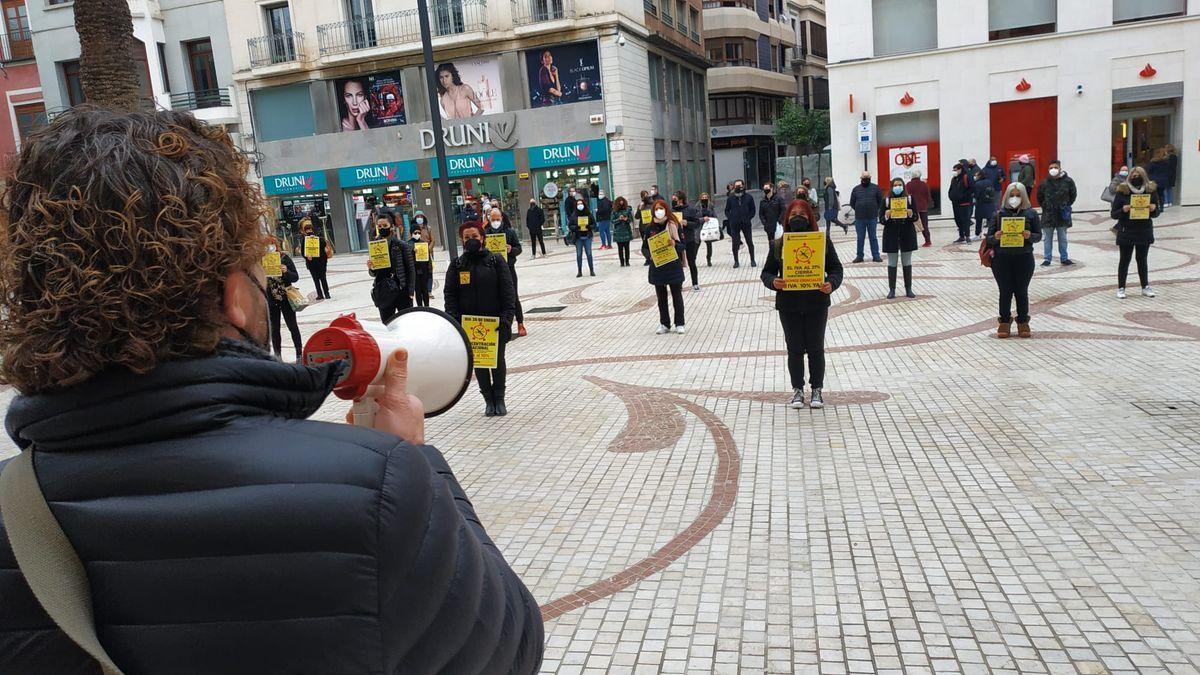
(385, 291)
(986, 253)
(711, 230)
(296, 299)
(571, 238)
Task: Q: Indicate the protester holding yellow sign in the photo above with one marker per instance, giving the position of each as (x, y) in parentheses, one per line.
(316, 256)
(423, 265)
(798, 261)
(272, 263)
(663, 249)
(280, 295)
(395, 272)
(1012, 266)
(1136, 204)
(497, 225)
(581, 225)
(900, 226)
(479, 284)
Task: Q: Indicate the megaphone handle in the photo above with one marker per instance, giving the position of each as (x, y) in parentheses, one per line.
(364, 413)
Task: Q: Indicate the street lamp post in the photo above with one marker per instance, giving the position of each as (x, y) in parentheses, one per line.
(439, 144)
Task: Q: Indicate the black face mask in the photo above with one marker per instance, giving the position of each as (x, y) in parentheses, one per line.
(739, 190)
(473, 246)
(798, 224)
(384, 234)
(704, 202)
(1136, 182)
(866, 181)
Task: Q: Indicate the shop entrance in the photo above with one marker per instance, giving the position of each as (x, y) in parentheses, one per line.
(360, 201)
(498, 187)
(589, 179)
(291, 209)
(1140, 129)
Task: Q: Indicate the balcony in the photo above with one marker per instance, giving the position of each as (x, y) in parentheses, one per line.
(267, 50)
(446, 17)
(526, 12)
(197, 100)
(17, 44)
(718, 4)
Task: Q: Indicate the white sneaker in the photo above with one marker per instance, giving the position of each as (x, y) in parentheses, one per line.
(662, 330)
(1148, 292)
(816, 402)
(695, 288)
(1120, 293)
(680, 330)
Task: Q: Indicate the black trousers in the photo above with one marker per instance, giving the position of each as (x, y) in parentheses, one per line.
(623, 253)
(962, 218)
(535, 238)
(770, 230)
(804, 332)
(693, 248)
(277, 308)
(737, 232)
(317, 269)
(1127, 252)
(520, 312)
(492, 380)
(1013, 274)
(389, 312)
(422, 289)
(664, 314)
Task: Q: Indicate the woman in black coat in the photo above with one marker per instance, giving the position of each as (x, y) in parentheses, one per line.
(318, 264)
(1135, 234)
(1012, 266)
(278, 304)
(535, 219)
(581, 225)
(804, 314)
(899, 238)
(669, 275)
(395, 286)
(692, 222)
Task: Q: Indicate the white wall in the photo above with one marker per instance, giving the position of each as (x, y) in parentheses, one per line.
(962, 83)
(850, 35)
(627, 103)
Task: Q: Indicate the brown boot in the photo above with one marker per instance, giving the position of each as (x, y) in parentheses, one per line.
(1005, 330)
(1023, 330)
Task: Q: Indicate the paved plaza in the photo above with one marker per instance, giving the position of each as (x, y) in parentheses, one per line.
(963, 504)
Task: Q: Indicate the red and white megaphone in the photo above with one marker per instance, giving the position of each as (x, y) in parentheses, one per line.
(439, 358)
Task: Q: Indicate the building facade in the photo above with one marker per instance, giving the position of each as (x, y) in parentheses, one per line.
(182, 56)
(808, 59)
(535, 97)
(748, 44)
(1094, 83)
(26, 109)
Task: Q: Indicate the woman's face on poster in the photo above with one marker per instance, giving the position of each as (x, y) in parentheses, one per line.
(446, 78)
(355, 97)
(547, 59)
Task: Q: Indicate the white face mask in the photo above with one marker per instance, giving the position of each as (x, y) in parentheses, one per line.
(601, 195)
(270, 249)
(993, 162)
(496, 224)
(1054, 173)
(660, 214)
(416, 235)
(579, 206)
(1014, 202)
(1123, 173)
(420, 221)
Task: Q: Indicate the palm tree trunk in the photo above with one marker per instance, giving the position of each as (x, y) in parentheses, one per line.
(106, 46)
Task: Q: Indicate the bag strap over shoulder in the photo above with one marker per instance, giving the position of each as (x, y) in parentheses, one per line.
(47, 560)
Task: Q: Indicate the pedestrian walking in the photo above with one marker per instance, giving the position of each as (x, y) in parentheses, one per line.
(479, 283)
(535, 221)
(667, 275)
(1135, 228)
(512, 241)
(900, 237)
(832, 204)
(739, 211)
(689, 226)
(867, 201)
(278, 304)
(985, 202)
(1056, 195)
(803, 314)
(580, 229)
(770, 210)
(395, 285)
(622, 224)
(707, 211)
(423, 265)
(1026, 174)
(1110, 192)
(604, 208)
(962, 197)
(918, 189)
(1168, 193)
(1012, 261)
(317, 264)
(1158, 171)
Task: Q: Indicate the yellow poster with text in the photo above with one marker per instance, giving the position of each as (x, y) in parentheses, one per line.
(421, 251)
(582, 223)
(312, 247)
(899, 208)
(662, 249)
(1139, 207)
(381, 258)
(273, 264)
(803, 264)
(1012, 232)
(483, 332)
(646, 216)
(498, 244)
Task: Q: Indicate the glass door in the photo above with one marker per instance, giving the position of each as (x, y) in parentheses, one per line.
(361, 14)
(279, 21)
(1137, 134)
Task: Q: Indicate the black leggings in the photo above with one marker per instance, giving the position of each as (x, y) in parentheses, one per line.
(422, 289)
(388, 312)
(492, 380)
(664, 315)
(1013, 274)
(535, 238)
(316, 269)
(804, 332)
(693, 248)
(1127, 251)
(289, 315)
(737, 232)
(623, 253)
(708, 250)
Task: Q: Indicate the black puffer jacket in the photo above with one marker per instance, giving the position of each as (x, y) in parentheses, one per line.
(799, 301)
(1130, 231)
(488, 290)
(404, 266)
(223, 533)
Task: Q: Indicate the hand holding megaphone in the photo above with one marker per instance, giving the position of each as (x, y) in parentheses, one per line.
(396, 411)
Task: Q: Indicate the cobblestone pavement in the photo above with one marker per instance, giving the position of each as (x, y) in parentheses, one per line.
(964, 504)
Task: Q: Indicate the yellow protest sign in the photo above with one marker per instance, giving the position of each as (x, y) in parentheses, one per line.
(312, 247)
(646, 216)
(803, 261)
(583, 223)
(464, 278)
(381, 258)
(679, 217)
(272, 264)
(421, 251)
(1139, 207)
(662, 249)
(483, 332)
(498, 244)
(899, 208)
(1012, 232)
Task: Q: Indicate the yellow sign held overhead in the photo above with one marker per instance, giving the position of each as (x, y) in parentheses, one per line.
(1012, 232)
(273, 264)
(381, 257)
(803, 261)
(662, 249)
(483, 332)
(1139, 207)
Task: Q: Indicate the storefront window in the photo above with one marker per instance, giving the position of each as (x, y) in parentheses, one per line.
(291, 209)
(397, 199)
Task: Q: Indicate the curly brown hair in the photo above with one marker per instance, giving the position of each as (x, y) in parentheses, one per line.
(122, 228)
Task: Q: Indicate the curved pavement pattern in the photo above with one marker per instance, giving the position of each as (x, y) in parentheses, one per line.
(964, 504)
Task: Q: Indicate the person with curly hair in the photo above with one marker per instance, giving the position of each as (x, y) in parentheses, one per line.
(212, 527)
